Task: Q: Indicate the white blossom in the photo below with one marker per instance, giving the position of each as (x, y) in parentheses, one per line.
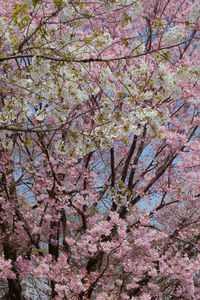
(136, 8)
(186, 74)
(174, 35)
(41, 115)
(66, 13)
(61, 147)
(194, 13)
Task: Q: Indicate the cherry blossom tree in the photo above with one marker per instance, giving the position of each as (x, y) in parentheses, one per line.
(99, 149)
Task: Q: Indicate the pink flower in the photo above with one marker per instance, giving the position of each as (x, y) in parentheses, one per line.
(5, 269)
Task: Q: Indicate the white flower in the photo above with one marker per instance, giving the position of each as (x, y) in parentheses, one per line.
(29, 2)
(60, 147)
(67, 37)
(152, 113)
(139, 47)
(66, 13)
(28, 111)
(35, 76)
(41, 116)
(136, 8)
(7, 144)
(194, 13)
(188, 74)
(148, 95)
(174, 36)
(45, 67)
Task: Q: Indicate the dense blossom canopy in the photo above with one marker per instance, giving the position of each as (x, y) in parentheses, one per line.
(99, 149)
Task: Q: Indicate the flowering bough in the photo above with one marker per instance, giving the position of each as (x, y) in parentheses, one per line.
(99, 149)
